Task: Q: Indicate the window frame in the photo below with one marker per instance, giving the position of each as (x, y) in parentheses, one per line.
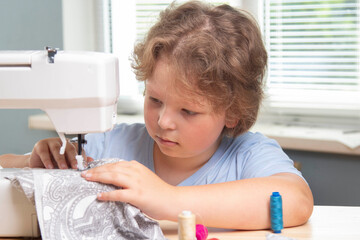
(336, 116)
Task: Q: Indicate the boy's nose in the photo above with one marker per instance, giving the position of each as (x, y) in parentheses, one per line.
(166, 119)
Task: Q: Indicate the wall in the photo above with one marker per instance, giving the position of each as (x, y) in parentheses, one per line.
(26, 25)
(333, 178)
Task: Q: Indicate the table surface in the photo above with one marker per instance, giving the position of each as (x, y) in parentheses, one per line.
(326, 223)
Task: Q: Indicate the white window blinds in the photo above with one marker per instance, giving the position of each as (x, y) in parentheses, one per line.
(147, 13)
(314, 50)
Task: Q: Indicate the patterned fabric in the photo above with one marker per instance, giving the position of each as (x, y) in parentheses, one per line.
(67, 207)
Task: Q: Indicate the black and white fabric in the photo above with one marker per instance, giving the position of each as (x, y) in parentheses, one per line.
(67, 207)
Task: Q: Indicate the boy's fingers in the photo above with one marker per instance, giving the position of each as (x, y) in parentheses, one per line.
(122, 195)
(70, 154)
(114, 178)
(45, 158)
(59, 158)
(118, 167)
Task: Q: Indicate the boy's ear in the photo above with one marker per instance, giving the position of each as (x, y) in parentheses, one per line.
(231, 123)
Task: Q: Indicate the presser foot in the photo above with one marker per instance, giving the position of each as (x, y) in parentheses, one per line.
(81, 165)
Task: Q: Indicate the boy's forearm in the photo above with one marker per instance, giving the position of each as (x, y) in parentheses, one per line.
(245, 204)
(14, 161)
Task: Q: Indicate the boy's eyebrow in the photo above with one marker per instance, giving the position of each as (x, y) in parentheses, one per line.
(149, 89)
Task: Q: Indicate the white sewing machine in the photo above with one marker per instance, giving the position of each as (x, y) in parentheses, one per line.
(79, 93)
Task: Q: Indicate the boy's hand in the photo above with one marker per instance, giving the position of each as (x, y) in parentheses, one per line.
(140, 186)
(46, 153)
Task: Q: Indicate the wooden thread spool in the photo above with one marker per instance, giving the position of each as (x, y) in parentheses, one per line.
(186, 226)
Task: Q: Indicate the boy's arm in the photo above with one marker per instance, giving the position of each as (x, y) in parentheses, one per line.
(14, 161)
(244, 204)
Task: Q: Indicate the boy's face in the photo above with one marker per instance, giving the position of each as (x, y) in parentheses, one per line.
(181, 127)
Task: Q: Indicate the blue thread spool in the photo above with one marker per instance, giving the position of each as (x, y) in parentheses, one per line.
(276, 212)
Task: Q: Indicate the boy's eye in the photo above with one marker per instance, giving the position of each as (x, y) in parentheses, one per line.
(188, 112)
(155, 100)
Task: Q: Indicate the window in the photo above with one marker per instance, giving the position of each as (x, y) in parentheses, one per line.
(314, 49)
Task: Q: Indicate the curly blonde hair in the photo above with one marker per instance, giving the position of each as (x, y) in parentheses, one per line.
(217, 51)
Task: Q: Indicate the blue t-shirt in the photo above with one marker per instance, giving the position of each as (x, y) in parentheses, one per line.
(249, 155)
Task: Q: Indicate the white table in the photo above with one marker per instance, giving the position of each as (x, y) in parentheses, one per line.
(326, 223)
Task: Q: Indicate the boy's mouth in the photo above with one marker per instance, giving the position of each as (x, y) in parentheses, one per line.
(166, 141)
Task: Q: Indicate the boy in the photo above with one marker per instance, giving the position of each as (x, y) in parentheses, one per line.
(203, 69)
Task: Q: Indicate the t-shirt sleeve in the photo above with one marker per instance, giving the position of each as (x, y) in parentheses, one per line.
(265, 158)
(101, 145)
(125, 141)
(95, 145)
